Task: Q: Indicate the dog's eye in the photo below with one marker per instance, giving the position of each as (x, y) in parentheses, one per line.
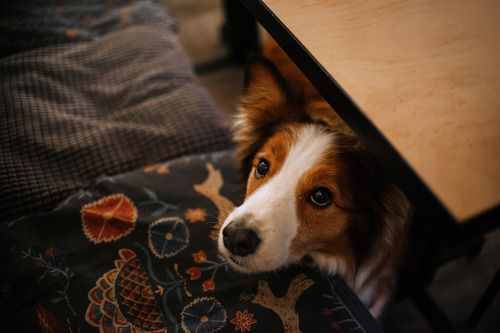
(321, 197)
(262, 168)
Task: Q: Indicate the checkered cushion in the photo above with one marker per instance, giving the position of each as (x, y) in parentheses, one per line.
(70, 113)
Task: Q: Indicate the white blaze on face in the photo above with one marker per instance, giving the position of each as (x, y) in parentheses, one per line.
(271, 209)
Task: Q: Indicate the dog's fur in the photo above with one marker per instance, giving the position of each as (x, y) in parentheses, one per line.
(359, 233)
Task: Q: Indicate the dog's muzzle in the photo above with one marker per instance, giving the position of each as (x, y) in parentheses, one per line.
(240, 241)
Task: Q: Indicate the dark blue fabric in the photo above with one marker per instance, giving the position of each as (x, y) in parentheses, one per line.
(137, 250)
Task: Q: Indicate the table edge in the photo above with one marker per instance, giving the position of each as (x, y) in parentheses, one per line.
(427, 203)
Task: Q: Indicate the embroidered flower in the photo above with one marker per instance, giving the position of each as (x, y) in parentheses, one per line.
(168, 236)
(72, 33)
(49, 251)
(122, 300)
(108, 219)
(194, 272)
(203, 315)
(195, 215)
(163, 170)
(336, 325)
(208, 285)
(326, 312)
(243, 321)
(200, 257)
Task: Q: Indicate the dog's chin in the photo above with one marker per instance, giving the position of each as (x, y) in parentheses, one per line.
(240, 266)
(252, 266)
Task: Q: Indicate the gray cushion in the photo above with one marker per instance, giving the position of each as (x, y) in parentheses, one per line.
(70, 113)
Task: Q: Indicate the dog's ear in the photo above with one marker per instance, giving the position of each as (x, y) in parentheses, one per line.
(267, 102)
(384, 205)
(264, 87)
(267, 97)
(320, 111)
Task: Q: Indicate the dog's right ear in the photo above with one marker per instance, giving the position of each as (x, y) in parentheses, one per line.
(264, 88)
(267, 101)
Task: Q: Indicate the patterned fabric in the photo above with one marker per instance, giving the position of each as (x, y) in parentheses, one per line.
(29, 24)
(70, 113)
(136, 253)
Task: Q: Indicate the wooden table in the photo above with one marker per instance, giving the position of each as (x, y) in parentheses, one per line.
(419, 82)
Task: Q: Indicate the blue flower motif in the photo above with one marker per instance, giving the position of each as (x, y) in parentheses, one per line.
(203, 315)
(168, 236)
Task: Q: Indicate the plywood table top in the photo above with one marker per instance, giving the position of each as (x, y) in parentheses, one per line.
(426, 74)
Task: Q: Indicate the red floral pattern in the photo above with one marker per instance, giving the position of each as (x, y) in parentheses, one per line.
(109, 219)
(336, 325)
(194, 272)
(195, 215)
(243, 321)
(208, 285)
(200, 257)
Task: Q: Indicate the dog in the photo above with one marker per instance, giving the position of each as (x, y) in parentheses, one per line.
(313, 191)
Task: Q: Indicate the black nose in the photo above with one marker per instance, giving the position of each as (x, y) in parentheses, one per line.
(240, 241)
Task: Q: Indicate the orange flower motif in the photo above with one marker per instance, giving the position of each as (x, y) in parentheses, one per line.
(195, 215)
(163, 170)
(243, 321)
(49, 251)
(71, 33)
(200, 257)
(194, 272)
(208, 285)
(109, 219)
(149, 168)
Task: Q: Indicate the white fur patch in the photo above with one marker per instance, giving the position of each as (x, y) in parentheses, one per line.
(271, 209)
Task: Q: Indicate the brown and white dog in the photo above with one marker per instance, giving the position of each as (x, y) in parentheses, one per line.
(312, 190)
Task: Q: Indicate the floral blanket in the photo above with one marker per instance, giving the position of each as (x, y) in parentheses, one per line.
(136, 253)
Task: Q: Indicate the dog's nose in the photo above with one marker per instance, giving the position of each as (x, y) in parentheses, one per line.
(239, 240)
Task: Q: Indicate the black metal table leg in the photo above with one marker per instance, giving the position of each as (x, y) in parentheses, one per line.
(484, 302)
(432, 312)
(240, 30)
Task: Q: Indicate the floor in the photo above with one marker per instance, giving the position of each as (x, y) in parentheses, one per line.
(200, 29)
(457, 286)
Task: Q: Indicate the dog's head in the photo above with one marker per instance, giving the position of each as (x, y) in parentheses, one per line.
(311, 189)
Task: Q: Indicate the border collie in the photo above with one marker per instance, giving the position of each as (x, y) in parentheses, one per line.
(313, 190)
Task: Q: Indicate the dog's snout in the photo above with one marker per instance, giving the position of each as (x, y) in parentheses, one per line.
(239, 240)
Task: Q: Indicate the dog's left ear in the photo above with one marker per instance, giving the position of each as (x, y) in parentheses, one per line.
(267, 101)
(267, 97)
(264, 86)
